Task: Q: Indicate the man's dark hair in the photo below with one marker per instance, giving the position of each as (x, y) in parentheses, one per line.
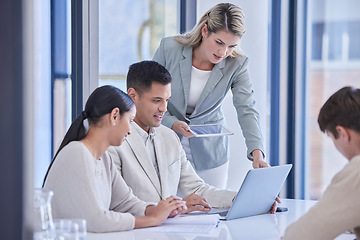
(341, 109)
(142, 74)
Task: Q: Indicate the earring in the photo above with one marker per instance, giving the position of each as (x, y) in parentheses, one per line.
(114, 123)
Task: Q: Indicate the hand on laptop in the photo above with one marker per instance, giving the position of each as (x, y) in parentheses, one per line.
(273, 207)
(196, 203)
(258, 159)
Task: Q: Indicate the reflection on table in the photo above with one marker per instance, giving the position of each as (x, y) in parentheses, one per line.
(265, 226)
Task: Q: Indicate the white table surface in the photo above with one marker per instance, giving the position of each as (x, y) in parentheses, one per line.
(264, 227)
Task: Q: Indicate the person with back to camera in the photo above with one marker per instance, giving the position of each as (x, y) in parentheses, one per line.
(338, 210)
(84, 179)
(205, 65)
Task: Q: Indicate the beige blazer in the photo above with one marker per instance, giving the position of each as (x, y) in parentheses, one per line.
(176, 172)
(337, 211)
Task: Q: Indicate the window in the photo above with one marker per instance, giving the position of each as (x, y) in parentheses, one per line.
(130, 31)
(52, 92)
(42, 91)
(334, 63)
(61, 70)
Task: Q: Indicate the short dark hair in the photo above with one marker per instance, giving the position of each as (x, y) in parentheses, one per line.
(142, 74)
(341, 109)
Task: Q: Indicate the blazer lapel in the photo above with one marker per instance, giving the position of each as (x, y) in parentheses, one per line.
(185, 72)
(137, 145)
(215, 77)
(162, 164)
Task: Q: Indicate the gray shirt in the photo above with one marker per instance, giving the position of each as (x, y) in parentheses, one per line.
(228, 74)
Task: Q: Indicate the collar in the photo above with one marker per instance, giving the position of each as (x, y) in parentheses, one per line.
(143, 134)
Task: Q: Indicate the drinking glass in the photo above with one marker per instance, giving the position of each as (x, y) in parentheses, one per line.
(43, 225)
(70, 229)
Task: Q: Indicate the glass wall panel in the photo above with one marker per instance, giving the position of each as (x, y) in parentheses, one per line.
(335, 63)
(42, 90)
(62, 110)
(52, 92)
(61, 70)
(130, 31)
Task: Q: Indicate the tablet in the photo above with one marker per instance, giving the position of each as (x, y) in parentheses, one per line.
(209, 130)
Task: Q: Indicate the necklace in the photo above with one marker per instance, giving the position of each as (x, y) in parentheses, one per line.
(99, 168)
(98, 163)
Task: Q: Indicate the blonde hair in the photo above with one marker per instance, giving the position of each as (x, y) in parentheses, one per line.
(221, 17)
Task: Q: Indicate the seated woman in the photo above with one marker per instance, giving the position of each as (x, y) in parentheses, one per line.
(84, 179)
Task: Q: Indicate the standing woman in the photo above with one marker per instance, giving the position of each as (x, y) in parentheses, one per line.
(84, 179)
(205, 65)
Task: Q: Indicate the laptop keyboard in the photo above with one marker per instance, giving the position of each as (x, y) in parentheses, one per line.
(223, 213)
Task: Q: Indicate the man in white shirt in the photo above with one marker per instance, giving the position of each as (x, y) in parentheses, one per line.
(339, 208)
(152, 160)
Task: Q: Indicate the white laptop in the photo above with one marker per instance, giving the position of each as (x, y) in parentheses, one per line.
(257, 192)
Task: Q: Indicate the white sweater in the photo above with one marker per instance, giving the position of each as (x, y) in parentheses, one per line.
(337, 211)
(92, 189)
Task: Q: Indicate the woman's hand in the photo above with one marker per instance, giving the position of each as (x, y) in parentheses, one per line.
(273, 207)
(182, 128)
(258, 159)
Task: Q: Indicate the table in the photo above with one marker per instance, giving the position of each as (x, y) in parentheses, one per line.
(264, 227)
